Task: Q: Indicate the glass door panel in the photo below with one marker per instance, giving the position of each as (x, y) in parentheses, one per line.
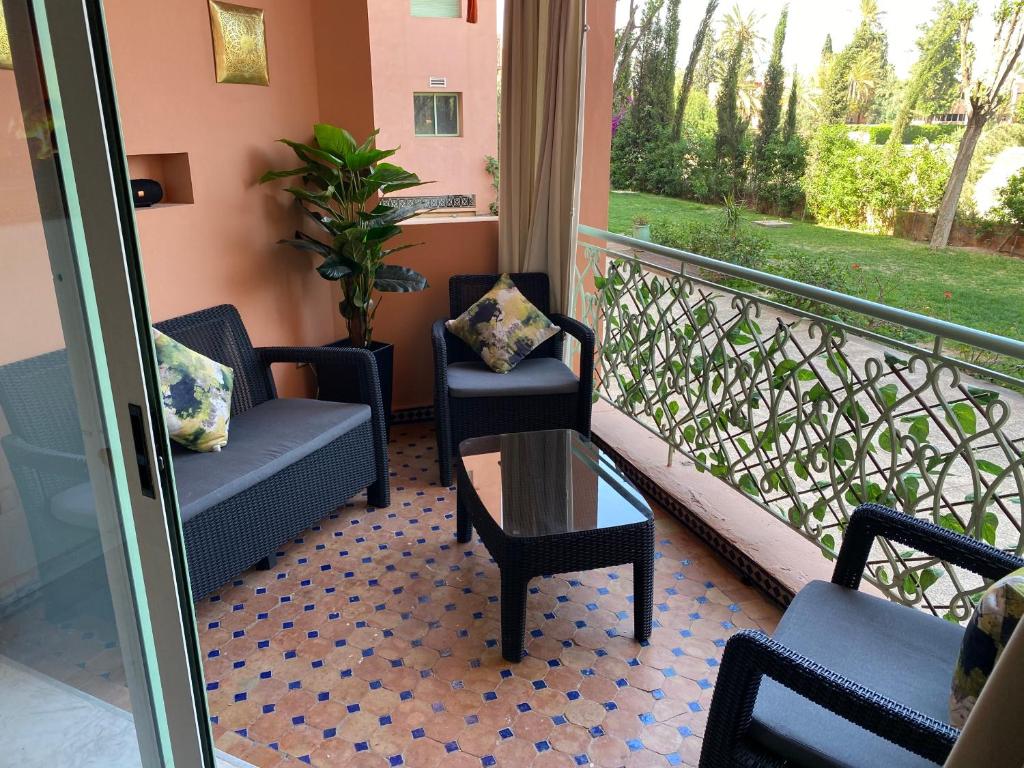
(97, 653)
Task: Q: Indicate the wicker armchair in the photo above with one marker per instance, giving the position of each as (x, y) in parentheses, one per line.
(542, 392)
(288, 463)
(847, 679)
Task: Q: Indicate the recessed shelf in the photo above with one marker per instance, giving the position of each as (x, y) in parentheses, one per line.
(172, 170)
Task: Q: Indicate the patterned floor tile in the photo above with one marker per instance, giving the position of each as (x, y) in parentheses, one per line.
(375, 641)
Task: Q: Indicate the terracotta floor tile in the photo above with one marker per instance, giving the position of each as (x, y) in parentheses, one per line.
(392, 648)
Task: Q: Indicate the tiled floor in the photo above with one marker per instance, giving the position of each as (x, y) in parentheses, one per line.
(374, 642)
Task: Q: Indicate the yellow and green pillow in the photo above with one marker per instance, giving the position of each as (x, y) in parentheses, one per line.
(996, 616)
(503, 327)
(196, 395)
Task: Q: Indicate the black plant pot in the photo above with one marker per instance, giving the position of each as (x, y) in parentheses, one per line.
(338, 385)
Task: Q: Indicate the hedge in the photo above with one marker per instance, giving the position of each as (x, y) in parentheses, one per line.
(934, 133)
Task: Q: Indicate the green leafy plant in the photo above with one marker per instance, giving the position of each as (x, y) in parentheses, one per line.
(341, 184)
(493, 170)
(639, 221)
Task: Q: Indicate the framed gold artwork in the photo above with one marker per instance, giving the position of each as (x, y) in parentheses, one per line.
(239, 44)
(6, 60)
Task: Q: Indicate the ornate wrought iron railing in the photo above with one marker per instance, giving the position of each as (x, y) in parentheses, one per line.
(807, 413)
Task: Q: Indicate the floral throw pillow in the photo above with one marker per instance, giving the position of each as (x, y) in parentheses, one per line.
(196, 395)
(995, 617)
(503, 327)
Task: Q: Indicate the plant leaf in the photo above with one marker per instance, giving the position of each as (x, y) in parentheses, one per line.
(395, 279)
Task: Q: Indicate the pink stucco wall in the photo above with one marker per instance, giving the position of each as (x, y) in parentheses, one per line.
(405, 52)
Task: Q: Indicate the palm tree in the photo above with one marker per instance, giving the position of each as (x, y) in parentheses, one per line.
(862, 81)
(740, 28)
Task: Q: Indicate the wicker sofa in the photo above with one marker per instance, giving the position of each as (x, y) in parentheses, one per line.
(288, 463)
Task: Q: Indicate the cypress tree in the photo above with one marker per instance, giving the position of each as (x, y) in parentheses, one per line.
(731, 126)
(789, 130)
(700, 42)
(826, 49)
(774, 86)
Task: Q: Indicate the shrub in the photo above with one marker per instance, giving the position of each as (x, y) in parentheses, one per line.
(1011, 199)
(715, 239)
(934, 133)
(864, 186)
(822, 269)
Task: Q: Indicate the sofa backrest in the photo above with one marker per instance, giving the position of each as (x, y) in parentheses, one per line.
(219, 334)
(38, 401)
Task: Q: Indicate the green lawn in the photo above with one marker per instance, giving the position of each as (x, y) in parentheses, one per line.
(987, 288)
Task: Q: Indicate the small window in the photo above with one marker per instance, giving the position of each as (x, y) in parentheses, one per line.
(436, 9)
(436, 114)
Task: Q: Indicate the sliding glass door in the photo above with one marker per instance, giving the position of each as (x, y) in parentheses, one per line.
(98, 657)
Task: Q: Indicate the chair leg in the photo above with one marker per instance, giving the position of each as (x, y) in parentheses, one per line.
(267, 563)
(463, 525)
(379, 493)
(513, 615)
(643, 597)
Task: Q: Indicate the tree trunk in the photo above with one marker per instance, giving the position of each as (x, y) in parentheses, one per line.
(951, 197)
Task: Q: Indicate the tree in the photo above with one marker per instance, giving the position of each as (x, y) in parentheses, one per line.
(700, 40)
(625, 47)
(984, 99)
(774, 85)
(826, 49)
(705, 73)
(731, 126)
(869, 45)
(934, 78)
(789, 131)
(862, 82)
(669, 49)
(740, 29)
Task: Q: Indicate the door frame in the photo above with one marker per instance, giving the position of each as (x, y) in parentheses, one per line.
(97, 253)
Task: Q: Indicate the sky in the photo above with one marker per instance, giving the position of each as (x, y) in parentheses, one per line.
(811, 20)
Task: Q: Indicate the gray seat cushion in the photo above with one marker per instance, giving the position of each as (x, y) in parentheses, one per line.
(261, 442)
(902, 653)
(534, 376)
(76, 506)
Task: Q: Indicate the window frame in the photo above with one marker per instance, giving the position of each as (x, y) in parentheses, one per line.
(458, 115)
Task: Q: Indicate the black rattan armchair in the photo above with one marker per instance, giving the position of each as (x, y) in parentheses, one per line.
(847, 679)
(542, 392)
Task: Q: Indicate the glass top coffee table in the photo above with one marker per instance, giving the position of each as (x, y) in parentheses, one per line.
(551, 502)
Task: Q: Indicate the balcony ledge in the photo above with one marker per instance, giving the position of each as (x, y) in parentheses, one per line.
(764, 549)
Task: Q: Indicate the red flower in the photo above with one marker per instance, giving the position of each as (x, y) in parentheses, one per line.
(947, 294)
(855, 266)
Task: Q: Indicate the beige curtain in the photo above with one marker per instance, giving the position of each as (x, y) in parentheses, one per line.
(541, 88)
(993, 735)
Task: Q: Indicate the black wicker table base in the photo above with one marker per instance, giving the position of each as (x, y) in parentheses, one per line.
(550, 502)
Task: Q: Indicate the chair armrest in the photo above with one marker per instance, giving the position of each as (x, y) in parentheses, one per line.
(585, 336)
(22, 453)
(872, 520)
(359, 360)
(751, 655)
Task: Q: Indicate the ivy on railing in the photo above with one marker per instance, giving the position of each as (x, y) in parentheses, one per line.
(808, 419)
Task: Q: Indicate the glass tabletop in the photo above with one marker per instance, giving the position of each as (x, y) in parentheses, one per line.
(551, 482)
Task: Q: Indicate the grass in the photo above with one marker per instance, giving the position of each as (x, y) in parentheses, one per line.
(986, 289)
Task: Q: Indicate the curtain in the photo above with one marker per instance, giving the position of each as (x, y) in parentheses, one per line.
(541, 132)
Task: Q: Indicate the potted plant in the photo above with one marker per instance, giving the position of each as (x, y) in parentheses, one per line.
(641, 228)
(341, 182)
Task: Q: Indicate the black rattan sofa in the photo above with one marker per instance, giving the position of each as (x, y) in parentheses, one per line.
(288, 462)
(470, 400)
(847, 679)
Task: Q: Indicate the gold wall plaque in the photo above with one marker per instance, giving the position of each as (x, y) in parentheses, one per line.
(6, 60)
(239, 44)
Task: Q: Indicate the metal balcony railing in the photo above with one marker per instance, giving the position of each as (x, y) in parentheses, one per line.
(807, 413)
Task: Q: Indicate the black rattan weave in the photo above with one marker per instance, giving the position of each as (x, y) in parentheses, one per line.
(751, 655)
(520, 559)
(459, 418)
(45, 448)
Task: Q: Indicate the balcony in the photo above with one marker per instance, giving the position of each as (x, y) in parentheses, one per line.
(750, 410)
